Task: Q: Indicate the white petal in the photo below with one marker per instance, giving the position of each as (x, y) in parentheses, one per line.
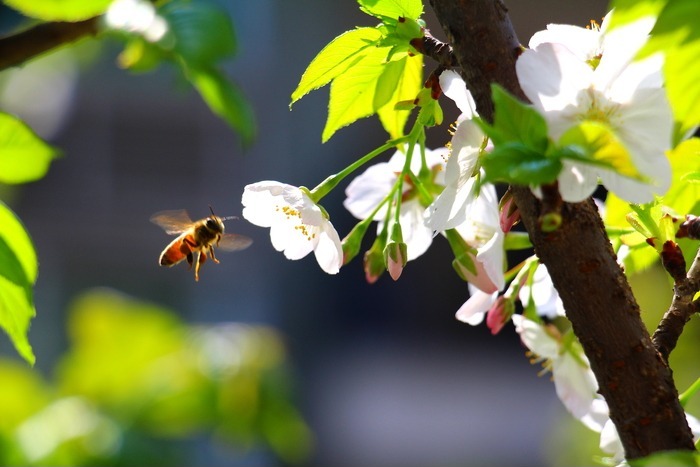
(454, 87)
(473, 310)
(610, 442)
(536, 338)
(259, 200)
(368, 189)
(328, 251)
(597, 415)
(575, 384)
(577, 182)
(492, 257)
(417, 236)
(584, 43)
(552, 77)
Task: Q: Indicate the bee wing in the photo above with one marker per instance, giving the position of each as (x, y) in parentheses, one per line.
(173, 222)
(234, 242)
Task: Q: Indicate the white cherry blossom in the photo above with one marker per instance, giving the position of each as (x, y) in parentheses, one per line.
(567, 85)
(297, 224)
(371, 187)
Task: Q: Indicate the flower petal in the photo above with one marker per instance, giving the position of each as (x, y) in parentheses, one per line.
(454, 87)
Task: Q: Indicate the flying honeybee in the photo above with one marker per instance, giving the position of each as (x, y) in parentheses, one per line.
(198, 237)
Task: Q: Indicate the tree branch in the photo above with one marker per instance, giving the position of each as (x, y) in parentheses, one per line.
(435, 49)
(23, 46)
(634, 379)
(681, 310)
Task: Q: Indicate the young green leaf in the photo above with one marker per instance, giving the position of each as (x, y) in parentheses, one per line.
(24, 157)
(353, 93)
(64, 10)
(597, 143)
(515, 121)
(406, 87)
(516, 163)
(18, 271)
(339, 55)
(684, 195)
(226, 100)
(628, 11)
(390, 10)
(676, 35)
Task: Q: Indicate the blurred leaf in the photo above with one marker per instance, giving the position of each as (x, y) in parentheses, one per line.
(63, 10)
(667, 459)
(24, 157)
(336, 57)
(140, 56)
(676, 35)
(388, 10)
(683, 196)
(628, 11)
(202, 30)
(18, 271)
(116, 344)
(226, 100)
(22, 394)
(406, 86)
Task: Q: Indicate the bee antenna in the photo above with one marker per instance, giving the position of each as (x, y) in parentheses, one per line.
(212, 210)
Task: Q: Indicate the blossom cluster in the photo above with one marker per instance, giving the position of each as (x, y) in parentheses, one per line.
(572, 76)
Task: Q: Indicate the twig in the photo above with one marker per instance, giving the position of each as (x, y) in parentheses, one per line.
(435, 49)
(23, 46)
(681, 310)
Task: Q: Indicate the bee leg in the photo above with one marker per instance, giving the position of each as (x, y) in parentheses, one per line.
(197, 264)
(211, 253)
(186, 249)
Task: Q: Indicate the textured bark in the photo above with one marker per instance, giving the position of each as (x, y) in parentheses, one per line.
(632, 376)
(18, 48)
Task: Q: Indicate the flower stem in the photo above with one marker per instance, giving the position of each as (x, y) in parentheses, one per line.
(325, 187)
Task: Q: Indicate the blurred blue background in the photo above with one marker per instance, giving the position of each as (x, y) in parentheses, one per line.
(385, 375)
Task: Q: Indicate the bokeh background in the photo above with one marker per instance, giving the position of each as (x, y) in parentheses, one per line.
(382, 374)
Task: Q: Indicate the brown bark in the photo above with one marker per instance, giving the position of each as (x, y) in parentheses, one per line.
(634, 379)
(18, 48)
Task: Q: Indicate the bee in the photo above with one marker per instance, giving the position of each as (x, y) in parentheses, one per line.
(198, 237)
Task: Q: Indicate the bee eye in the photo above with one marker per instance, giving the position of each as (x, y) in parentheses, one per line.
(211, 223)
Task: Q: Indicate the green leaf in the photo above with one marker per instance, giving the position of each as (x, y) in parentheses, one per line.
(340, 54)
(514, 121)
(641, 255)
(202, 30)
(60, 10)
(628, 11)
(24, 157)
(18, 271)
(667, 459)
(353, 93)
(391, 10)
(683, 196)
(226, 100)
(519, 164)
(597, 143)
(406, 87)
(676, 33)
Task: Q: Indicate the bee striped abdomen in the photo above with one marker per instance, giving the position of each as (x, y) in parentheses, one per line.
(176, 251)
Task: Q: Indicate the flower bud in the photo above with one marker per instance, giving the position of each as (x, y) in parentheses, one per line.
(395, 258)
(499, 314)
(374, 260)
(353, 241)
(509, 215)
